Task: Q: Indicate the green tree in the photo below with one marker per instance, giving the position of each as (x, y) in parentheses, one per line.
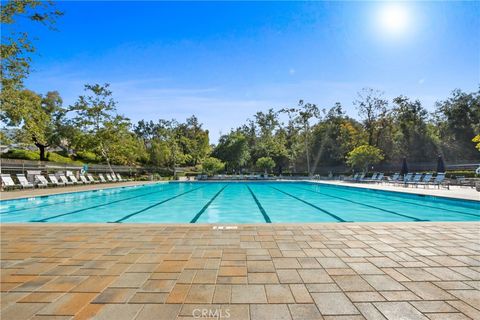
(212, 165)
(233, 150)
(372, 107)
(16, 48)
(266, 164)
(363, 156)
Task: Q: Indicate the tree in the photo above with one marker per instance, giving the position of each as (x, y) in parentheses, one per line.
(476, 139)
(371, 107)
(363, 156)
(233, 150)
(212, 165)
(16, 48)
(265, 163)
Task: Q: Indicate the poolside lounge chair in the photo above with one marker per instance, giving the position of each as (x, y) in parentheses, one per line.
(439, 180)
(394, 178)
(54, 180)
(426, 180)
(64, 179)
(40, 181)
(102, 178)
(7, 182)
(407, 178)
(92, 179)
(415, 180)
(84, 179)
(123, 180)
(24, 182)
(380, 177)
(74, 179)
(109, 177)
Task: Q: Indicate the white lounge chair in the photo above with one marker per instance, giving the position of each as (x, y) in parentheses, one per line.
(74, 179)
(65, 180)
(84, 179)
(54, 180)
(24, 182)
(114, 177)
(40, 181)
(92, 179)
(119, 177)
(102, 178)
(7, 182)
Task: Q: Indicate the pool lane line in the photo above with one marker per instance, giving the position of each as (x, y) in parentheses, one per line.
(93, 207)
(259, 205)
(128, 216)
(312, 205)
(208, 204)
(377, 195)
(363, 204)
(67, 200)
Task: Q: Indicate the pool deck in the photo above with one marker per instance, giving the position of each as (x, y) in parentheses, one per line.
(418, 270)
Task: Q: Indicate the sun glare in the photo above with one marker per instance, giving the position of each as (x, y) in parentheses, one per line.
(394, 19)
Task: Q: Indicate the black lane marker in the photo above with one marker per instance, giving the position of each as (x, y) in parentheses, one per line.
(312, 205)
(259, 205)
(363, 204)
(206, 206)
(376, 195)
(69, 200)
(93, 207)
(154, 205)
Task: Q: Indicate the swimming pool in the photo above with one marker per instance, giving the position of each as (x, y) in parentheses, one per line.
(236, 202)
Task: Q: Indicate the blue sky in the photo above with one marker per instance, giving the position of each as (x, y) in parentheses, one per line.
(225, 61)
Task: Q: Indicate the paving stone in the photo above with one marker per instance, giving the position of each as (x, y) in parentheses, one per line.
(119, 312)
(383, 282)
(369, 311)
(428, 291)
(300, 293)
(334, 303)
(269, 312)
(314, 276)
(399, 311)
(148, 297)
(279, 293)
(304, 312)
(200, 293)
(114, 295)
(288, 276)
(352, 283)
(248, 294)
(67, 305)
(178, 293)
(262, 278)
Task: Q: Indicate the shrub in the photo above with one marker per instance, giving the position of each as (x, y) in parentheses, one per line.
(265, 163)
(363, 156)
(21, 154)
(212, 165)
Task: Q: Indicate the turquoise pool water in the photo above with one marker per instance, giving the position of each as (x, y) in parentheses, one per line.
(236, 202)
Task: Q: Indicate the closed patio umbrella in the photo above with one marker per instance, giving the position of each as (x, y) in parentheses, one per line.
(404, 170)
(440, 164)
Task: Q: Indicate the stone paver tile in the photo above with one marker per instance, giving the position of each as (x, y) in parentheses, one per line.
(232, 272)
(352, 283)
(205, 276)
(369, 296)
(40, 297)
(159, 312)
(232, 280)
(300, 293)
(334, 303)
(260, 266)
(465, 308)
(329, 262)
(309, 263)
(269, 312)
(119, 312)
(171, 266)
(158, 285)
(223, 293)
(21, 310)
(428, 291)
(94, 284)
(130, 280)
(383, 282)
(88, 312)
(186, 276)
(279, 293)
(304, 312)
(417, 274)
(62, 284)
(341, 272)
(289, 276)
(142, 267)
(286, 263)
(200, 293)
(402, 295)
(148, 297)
(433, 306)
(365, 268)
(262, 278)
(323, 287)
(399, 311)
(369, 311)
(248, 294)
(178, 293)
(164, 276)
(67, 305)
(446, 274)
(447, 316)
(472, 297)
(314, 276)
(383, 262)
(114, 295)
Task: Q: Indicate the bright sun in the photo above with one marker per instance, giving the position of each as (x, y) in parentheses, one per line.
(394, 18)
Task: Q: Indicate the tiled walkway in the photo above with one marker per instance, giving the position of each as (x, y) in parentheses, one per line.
(301, 271)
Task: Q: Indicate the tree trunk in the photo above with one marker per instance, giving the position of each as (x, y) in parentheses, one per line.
(41, 149)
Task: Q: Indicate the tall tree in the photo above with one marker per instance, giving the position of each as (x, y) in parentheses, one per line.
(371, 108)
